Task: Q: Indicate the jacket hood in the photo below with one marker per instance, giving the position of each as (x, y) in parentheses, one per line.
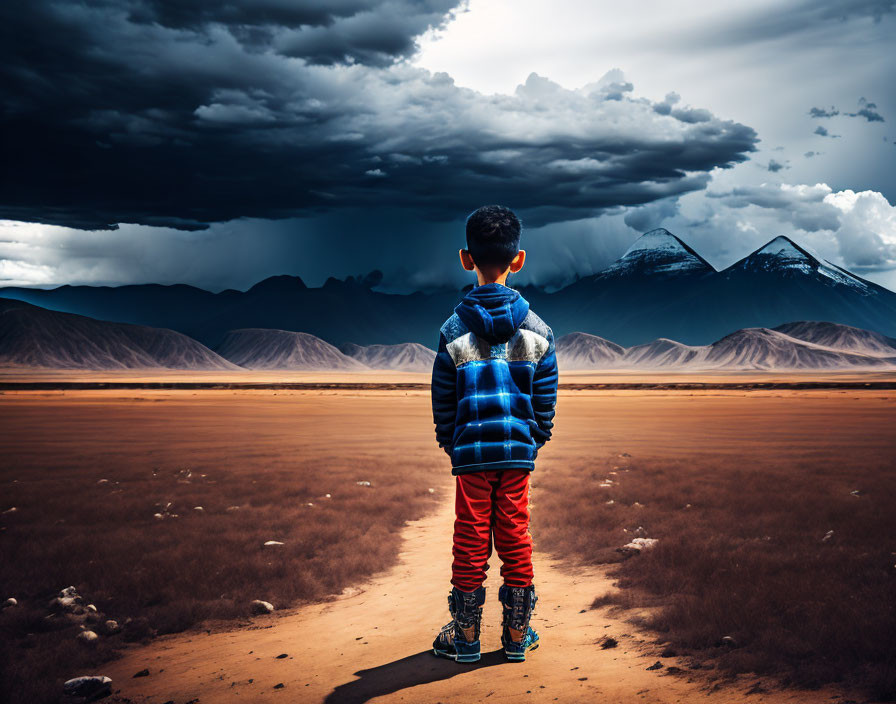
(493, 312)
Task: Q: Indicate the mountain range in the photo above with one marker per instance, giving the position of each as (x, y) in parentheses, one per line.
(801, 345)
(659, 288)
(35, 337)
(31, 336)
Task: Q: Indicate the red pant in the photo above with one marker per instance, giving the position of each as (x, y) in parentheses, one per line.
(491, 503)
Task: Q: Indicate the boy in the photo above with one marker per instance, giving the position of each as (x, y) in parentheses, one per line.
(494, 391)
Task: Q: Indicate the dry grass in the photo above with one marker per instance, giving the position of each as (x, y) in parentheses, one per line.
(766, 475)
(269, 455)
(740, 493)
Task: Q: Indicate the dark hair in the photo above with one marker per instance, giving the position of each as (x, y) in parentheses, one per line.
(493, 236)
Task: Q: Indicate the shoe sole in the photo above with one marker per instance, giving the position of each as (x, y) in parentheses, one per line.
(473, 657)
(520, 657)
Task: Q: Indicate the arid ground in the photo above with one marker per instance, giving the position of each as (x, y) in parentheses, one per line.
(773, 574)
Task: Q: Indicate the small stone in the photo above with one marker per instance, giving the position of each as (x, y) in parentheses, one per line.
(639, 544)
(143, 673)
(233, 508)
(363, 483)
(91, 607)
(273, 543)
(103, 481)
(88, 637)
(10, 602)
(656, 666)
(88, 687)
(111, 626)
(279, 685)
(327, 496)
(10, 510)
(431, 490)
(260, 607)
(609, 642)
(282, 655)
(827, 536)
(198, 508)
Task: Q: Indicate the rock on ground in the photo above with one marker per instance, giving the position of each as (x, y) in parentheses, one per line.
(88, 687)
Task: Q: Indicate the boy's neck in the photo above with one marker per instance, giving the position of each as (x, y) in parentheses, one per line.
(482, 280)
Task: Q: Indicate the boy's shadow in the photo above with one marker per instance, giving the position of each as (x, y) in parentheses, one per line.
(411, 671)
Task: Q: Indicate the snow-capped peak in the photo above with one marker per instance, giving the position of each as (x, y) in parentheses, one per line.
(786, 249)
(659, 239)
(783, 255)
(659, 251)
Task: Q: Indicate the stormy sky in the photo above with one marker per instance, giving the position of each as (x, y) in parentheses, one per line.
(219, 143)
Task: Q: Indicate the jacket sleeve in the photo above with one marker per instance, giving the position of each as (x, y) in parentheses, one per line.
(444, 395)
(544, 393)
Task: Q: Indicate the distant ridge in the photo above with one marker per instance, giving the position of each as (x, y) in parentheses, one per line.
(405, 356)
(579, 350)
(31, 336)
(257, 348)
(838, 347)
(662, 353)
(761, 348)
(278, 284)
(841, 337)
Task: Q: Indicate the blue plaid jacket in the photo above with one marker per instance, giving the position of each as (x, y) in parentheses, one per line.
(494, 382)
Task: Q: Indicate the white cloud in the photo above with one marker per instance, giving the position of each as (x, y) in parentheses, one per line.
(19, 273)
(867, 233)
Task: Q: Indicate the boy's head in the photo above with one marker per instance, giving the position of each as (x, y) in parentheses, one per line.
(493, 243)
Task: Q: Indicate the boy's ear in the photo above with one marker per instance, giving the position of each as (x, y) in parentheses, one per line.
(466, 259)
(517, 262)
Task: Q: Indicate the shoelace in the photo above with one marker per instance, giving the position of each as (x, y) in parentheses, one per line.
(519, 614)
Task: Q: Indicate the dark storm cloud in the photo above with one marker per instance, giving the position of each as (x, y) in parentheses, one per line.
(775, 166)
(868, 111)
(319, 31)
(175, 114)
(649, 216)
(823, 132)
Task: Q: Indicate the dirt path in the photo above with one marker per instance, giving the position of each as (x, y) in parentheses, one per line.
(374, 645)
